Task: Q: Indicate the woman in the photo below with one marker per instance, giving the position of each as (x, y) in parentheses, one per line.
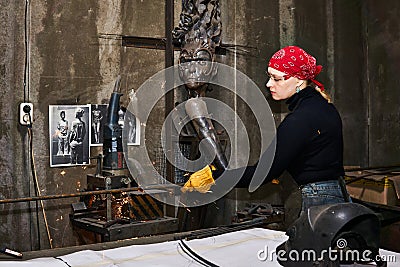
(309, 139)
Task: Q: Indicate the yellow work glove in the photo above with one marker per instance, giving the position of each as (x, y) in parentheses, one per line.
(200, 181)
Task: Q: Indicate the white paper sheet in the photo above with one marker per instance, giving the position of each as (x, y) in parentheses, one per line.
(241, 248)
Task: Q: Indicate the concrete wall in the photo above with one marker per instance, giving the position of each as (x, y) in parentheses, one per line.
(382, 67)
(75, 54)
(14, 160)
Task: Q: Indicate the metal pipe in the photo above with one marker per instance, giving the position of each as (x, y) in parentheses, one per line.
(169, 95)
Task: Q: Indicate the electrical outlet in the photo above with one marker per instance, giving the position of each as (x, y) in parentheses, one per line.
(26, 113)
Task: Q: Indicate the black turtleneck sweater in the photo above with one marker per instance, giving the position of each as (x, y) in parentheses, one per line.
(309, 142)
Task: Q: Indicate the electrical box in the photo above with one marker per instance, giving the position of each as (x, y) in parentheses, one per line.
(26, 114)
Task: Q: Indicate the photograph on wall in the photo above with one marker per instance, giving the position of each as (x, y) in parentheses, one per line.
(98, 116)
(69, 128)
(132, 130)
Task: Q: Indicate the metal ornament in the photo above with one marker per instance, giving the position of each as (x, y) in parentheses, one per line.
(200, 21)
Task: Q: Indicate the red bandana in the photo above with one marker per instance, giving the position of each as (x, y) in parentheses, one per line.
(294, 61)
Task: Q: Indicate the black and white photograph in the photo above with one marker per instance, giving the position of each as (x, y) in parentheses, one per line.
(132, 125)
(69, 135)
(98, 119)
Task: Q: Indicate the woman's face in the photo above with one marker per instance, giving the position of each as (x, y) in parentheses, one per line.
(281, 85)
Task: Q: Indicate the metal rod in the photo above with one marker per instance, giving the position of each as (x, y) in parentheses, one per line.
(96, 192)
(379, 170)
(143, 42)
(159, 43)
(372, 167)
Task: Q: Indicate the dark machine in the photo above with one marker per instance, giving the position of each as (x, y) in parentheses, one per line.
(112, 145)
(129, 212)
